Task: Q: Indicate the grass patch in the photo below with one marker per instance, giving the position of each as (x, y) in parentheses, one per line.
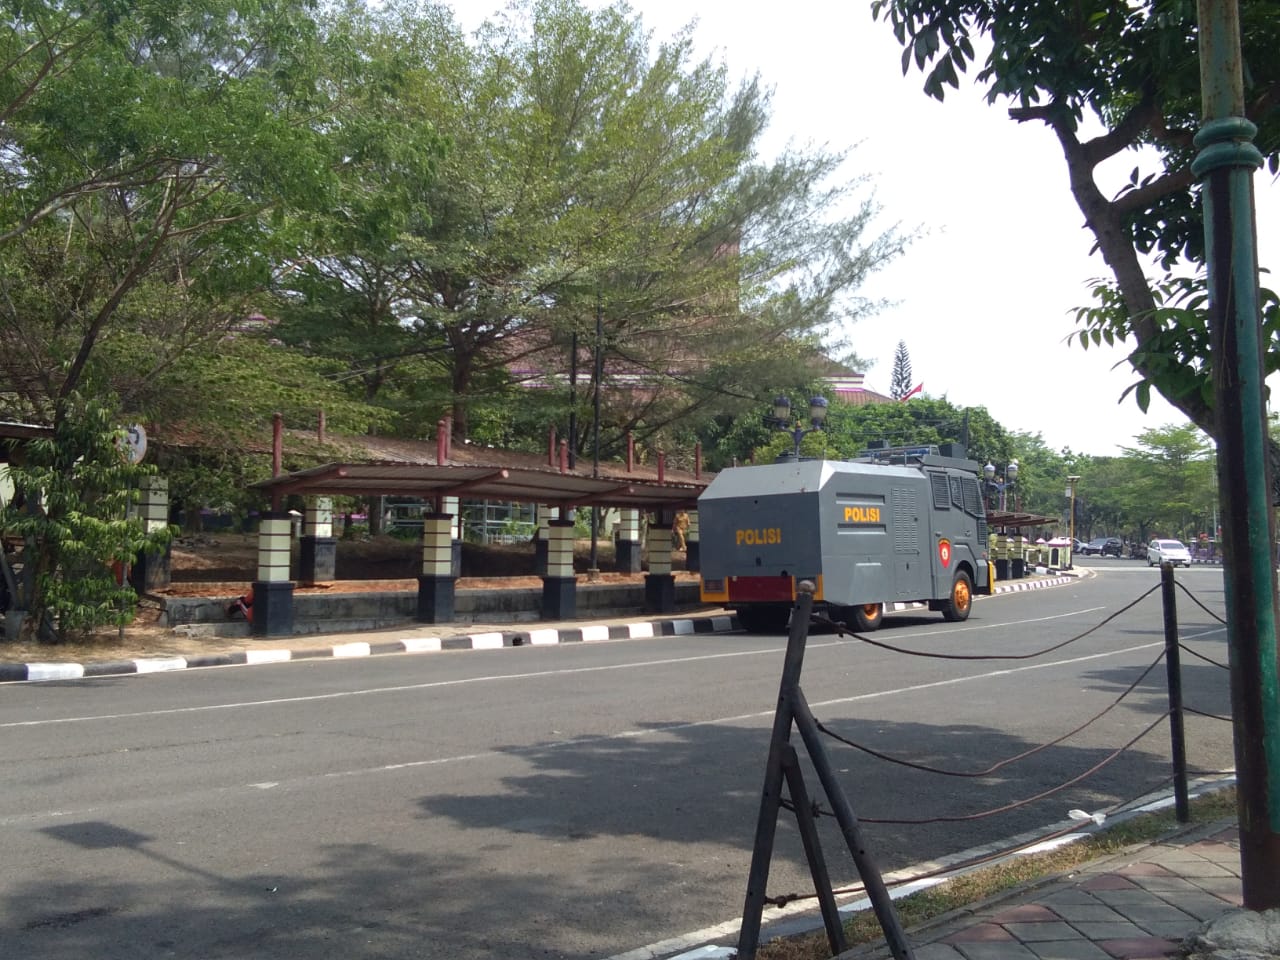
(981, 884)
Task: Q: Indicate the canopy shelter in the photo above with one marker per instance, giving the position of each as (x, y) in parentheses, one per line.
(477, 481)
(480, 473)
(366, 466)
(1018, 521)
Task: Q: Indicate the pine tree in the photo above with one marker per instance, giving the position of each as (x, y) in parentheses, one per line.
(900, 385)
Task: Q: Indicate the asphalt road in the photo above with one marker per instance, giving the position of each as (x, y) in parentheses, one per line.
(572, 801)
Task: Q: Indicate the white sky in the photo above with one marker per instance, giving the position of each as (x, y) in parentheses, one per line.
(984, 301)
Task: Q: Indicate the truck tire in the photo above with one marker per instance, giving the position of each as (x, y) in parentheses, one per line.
(764, 618)
(868, 617)
(958, 604)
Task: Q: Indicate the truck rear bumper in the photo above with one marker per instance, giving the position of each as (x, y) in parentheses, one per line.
(777, 589)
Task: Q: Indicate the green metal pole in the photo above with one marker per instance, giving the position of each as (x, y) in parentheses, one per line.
(1225, 166)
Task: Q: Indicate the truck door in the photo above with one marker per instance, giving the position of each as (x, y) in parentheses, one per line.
(942, 535)
(912, 578)
(959, 531)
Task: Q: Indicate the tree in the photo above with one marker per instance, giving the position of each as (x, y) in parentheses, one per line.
(900, 383)
(143, 149)
(141, 144)
(71, 505)
(588, 170)
(1133, 69)
(1161, 486)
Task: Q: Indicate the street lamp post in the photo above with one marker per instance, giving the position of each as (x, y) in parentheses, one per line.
(1071, 523)
(999, 487)
(781, 420)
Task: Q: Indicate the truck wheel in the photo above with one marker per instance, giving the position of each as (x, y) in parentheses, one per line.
(957, 606)
(765, 618)
(868, 617)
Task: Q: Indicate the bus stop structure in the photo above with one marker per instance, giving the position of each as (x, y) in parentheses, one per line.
(472, 473)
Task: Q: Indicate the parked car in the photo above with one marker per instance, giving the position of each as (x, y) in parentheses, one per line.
(1102, 546)
(1168, 551)
(1078, 546)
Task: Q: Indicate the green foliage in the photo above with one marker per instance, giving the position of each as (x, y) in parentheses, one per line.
(148, 152)
(1173, 354)
(1163, 486)
(71, 505)
(587, 171)
(850, 430)
(1134, 70)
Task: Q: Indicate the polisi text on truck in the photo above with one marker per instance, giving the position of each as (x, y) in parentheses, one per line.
(861, 514)
(758, 538)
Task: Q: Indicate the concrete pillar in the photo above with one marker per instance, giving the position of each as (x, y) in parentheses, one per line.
(544, 515)
(318, 547)
(150, 571)
(454, 508)
(436, 582)
(692, 555)
(659, 584)
(273, 590)
(1017, 557)
(626, 542)
(559, 586)
(1000, 554)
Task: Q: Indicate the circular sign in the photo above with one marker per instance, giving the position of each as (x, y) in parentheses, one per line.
(944, 552)
(135, 443)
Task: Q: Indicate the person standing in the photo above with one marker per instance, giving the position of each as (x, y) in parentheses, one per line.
(679, 528)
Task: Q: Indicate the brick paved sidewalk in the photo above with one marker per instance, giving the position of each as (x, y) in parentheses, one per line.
(1138, 905)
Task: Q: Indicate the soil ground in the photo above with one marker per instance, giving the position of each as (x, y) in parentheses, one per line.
(223, 565)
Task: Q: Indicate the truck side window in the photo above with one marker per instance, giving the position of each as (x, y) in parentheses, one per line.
(957, 493)
(941, 494)
(972, 497)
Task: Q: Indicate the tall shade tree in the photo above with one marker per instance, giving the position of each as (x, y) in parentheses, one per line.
(1132, 71)
(142, 142)
(341, 295)
(590, 174)
(147, 152)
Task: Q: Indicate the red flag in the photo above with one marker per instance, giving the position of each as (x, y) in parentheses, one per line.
(913, 391)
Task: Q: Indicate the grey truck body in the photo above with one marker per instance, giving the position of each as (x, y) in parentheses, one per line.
(865, 532)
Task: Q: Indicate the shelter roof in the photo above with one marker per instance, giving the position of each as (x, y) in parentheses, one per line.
(383, 466)
(489, 481)
(1002, 518)
(11, 430)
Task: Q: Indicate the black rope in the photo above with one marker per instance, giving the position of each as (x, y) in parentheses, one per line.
(982, 814)
(843, 629)
(1196, 601)
(1202, 713)
(971, 862)
(1187, 649)
(1002, 763)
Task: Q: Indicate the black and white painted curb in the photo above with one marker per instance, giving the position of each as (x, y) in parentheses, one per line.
(1050, 581)
(22, 672)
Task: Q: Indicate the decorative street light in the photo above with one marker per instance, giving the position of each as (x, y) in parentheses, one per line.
(1002, 488)
(781, 419)
(1071, 492)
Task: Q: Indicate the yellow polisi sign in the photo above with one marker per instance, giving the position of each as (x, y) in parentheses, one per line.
(861, 514)
(761, 537)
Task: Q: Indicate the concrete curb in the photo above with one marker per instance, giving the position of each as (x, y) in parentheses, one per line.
(419, 642)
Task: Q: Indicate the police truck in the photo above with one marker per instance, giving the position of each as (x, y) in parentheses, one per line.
(900, 525)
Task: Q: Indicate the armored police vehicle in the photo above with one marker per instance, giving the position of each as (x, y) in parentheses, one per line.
(897, 525)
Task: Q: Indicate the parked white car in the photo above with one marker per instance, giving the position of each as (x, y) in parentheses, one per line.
(1168, 551)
